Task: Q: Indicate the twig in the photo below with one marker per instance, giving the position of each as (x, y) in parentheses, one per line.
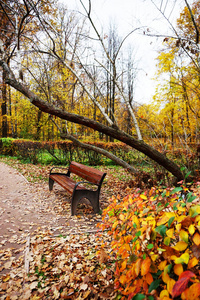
(26, 259)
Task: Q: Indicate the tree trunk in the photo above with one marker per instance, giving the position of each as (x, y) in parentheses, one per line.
(110, 131)
(4, 106)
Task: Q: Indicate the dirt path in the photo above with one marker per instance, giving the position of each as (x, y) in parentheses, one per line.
(28, 209)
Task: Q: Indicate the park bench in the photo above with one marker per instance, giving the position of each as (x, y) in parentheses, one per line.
(90, 188)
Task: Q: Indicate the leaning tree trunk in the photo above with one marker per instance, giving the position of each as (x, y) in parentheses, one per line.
(114, 132)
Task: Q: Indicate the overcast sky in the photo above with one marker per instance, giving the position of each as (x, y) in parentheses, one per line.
(131, 14)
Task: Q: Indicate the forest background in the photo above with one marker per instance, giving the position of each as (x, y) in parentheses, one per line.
(81, 82)
(55, 88)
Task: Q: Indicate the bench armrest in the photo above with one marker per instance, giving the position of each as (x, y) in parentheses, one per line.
(87, 182)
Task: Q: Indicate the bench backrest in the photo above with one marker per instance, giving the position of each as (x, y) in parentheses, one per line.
(87, 173)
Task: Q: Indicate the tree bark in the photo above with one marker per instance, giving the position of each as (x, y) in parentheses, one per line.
(120, 135)
(4, 107)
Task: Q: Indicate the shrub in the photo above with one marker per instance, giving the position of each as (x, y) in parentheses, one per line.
(155, 238)
(6, 146)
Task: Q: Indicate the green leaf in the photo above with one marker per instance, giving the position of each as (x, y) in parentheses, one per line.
(170, 221)
(150, 298)
(154, 285)
(191, 198)
(150, 246)
(138, 233)
(167, 241)
(139, 297)
(176, 190)
(187, 174)
(175, 207)
(161, 230)
(135, 225)
(163, 194)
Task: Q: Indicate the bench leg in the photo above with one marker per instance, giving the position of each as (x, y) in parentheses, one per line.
(92, 196)
(51, 182)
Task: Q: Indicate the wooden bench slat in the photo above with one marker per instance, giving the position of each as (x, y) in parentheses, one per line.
(78, 191)
(66, 182)
(86, 172)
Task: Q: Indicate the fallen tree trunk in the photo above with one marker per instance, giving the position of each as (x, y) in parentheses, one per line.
(116, 133)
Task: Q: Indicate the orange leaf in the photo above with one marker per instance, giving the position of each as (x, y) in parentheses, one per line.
(122, 279)
(194, 291)
(123, 266)
(182, 283)
(137, 266)
(145, 266)
(196, 239)
(165, 277)
(162, 265)
(193, 262)
(178, 269)
(149, 278)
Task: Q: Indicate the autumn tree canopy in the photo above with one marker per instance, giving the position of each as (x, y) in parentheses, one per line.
(73, 89)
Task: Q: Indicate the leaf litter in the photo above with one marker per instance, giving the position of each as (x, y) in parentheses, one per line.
(62, 257)
(65, 267)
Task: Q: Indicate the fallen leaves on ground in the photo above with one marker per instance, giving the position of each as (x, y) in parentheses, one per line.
(60, 268)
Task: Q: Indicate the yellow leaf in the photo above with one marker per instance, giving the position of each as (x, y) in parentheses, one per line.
(164, 293)
(193, 262)
(197, 219)
(135, 220)
(6, 278)
(170, 233)
(154, 257)
(184, 258)
(170, 285)
(196, 239)
(143, 197)
(191, 229)
(180, 246)
(181, 209)
(165, 277)
(184, 236)
(35, 297)
(165, 218)
(115, 225)
(167, 240)
(121, 217)
(178, 269)
(173, 257)
(194, 210)
(178, 227)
